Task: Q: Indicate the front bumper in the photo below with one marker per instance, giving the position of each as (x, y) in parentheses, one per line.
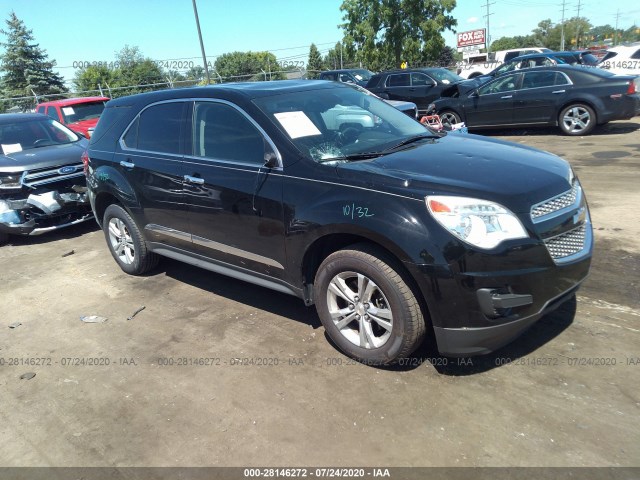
(43, 212)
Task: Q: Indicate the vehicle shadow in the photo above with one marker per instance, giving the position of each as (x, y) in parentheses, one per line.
(611, 128)
(246, 293)
(292, 308)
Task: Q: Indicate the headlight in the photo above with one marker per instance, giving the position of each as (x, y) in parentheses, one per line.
(478, 222)
(10, 180)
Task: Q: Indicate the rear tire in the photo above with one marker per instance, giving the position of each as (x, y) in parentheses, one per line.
(577, 119)
(126, 243)
(366, 307)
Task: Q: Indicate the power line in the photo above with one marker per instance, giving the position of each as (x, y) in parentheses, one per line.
(487, 4)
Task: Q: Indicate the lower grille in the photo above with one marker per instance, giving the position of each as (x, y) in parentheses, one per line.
(567, 244)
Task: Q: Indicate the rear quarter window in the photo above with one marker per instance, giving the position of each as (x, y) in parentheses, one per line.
(111, 117)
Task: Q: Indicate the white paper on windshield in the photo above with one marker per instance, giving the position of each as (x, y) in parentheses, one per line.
(11, 148)
(68, 110)
(297, 124)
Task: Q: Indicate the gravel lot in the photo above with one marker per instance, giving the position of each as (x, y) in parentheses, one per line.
(565, 394)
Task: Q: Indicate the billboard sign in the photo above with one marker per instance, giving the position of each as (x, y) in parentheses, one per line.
(472, 38)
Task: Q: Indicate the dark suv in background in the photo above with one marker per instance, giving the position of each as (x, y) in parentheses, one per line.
(418, 85)
(359, 76)
(390, 229)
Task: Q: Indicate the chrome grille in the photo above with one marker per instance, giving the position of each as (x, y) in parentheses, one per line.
(43, 176)
(567, 243)
(559, 202)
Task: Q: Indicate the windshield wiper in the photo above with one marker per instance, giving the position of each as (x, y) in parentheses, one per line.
(353, 156)
(410, 140)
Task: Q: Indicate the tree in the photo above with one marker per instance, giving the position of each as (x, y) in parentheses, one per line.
(342, 55)
(507, 43)
(248, 66)
(25, 66)
(134, 70)
(387, 32)
(314, 63)
(88, 79)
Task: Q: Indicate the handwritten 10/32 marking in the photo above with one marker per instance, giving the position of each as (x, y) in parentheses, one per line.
(355, 211)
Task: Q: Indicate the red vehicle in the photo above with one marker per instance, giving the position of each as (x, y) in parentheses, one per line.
(79, 114)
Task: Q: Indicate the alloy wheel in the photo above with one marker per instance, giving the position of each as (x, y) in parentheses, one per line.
(121, 241)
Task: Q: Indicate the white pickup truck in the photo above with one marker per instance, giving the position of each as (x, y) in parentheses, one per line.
(481, 65)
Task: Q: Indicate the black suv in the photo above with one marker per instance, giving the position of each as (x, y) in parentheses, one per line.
(391, 229)
(418, 85)
(357, 76)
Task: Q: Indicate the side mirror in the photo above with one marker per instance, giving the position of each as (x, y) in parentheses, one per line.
(474, 93)
(270, 159)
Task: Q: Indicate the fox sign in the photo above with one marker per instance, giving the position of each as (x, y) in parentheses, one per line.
(472, 38)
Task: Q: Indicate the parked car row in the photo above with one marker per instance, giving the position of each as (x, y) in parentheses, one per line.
(562, 89)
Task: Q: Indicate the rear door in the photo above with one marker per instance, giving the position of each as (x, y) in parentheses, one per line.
(493, 104)
(539, 97)
(234, 202)
(398, 87)
(150, 157)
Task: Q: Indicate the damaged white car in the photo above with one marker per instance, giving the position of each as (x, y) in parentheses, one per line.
(42, 182)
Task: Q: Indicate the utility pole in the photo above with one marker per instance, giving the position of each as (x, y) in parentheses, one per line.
(562, 27)
(578, 29)
(204, 57)
(486, 5)
(615, 35)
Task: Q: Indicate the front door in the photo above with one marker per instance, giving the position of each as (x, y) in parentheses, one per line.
(234, 201)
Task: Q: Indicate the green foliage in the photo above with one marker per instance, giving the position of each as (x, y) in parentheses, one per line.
(242, 66)
(507, 43)
(131, 69)
(341, 56)
(314, 63)
(25, 67)
(386, 33)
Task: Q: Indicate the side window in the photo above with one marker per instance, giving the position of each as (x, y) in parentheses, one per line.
(509, 55)
(398, 80)
(636, 55)
(130, 138)
(40, 110)
(539, 79)
(222, 132)
(561, 79)
(53, 113)
(502, 84)
(159, 128)
(420, 79)
(346, 78)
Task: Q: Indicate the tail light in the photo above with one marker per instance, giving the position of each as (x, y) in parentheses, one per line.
(85, 161)
(632, 88)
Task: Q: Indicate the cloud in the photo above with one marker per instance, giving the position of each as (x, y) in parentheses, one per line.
(472, 20)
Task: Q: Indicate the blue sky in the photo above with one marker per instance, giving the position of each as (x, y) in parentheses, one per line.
(74, 30)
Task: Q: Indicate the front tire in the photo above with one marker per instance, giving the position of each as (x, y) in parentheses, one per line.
(126, 243)
(366, 307)
(577, 119)
(450, 118)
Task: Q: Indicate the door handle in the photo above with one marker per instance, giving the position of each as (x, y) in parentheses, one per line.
(194, 180)
(559, 91)
(507, 96)
(127, 164)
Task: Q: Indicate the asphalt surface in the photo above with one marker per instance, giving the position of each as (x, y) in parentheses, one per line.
(217, 372)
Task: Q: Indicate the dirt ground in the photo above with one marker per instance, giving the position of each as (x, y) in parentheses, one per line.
(217, 372)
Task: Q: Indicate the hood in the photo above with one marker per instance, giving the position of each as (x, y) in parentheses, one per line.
(83, 125)
(43, 157)
(513, 175)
